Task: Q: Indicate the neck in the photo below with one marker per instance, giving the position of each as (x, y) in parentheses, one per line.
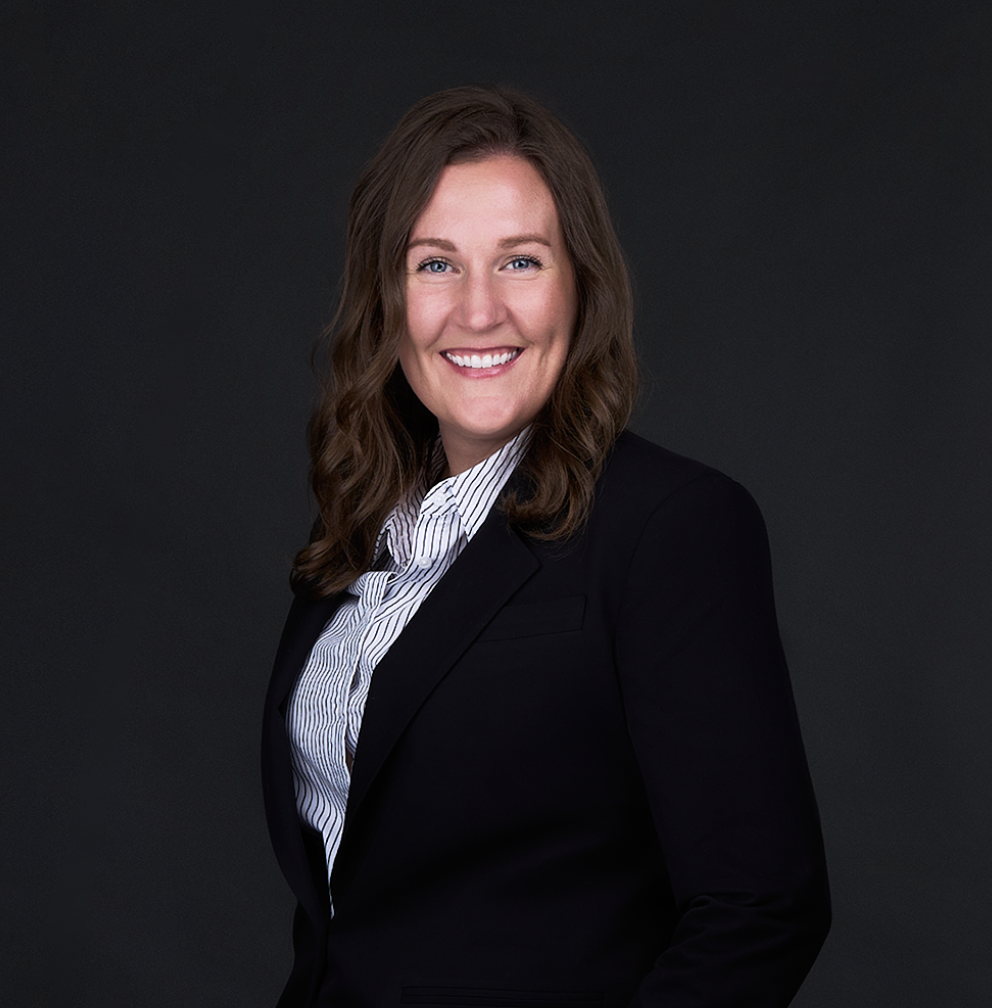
(461, 455)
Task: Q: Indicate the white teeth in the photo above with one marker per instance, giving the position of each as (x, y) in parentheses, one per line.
(485, 361)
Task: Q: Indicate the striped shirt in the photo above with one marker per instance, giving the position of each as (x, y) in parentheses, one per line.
(418, 543)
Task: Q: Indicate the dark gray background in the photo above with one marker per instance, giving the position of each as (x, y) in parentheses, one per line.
(803, 190)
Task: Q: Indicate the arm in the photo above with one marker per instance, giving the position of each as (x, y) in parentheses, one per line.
(712, 720)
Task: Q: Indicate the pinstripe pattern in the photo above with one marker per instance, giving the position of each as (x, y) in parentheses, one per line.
(419, 542)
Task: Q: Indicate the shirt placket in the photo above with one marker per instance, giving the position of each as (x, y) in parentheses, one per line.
(374, 590)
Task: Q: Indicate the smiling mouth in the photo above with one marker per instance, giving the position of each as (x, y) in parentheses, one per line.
(481, 361)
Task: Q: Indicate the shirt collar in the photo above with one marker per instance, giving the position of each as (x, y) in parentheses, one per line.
(475, 491)
(469, 495)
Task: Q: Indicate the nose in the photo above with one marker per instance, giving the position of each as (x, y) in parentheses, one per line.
(482, 307)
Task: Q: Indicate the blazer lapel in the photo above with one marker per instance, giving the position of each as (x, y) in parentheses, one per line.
(303, 627)
(304, 624)
(494, 564)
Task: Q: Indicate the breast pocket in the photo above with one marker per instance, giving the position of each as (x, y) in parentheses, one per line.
(480, 997)
(534, 619)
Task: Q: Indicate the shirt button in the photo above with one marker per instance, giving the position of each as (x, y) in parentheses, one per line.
(424, 562)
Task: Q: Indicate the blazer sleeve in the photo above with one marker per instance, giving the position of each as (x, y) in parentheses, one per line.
(712, 720)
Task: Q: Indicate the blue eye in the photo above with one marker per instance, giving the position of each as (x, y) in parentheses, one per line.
(433, 266)
(520, 263)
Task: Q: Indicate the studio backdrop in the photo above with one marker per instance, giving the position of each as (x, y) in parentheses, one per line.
(803, 193)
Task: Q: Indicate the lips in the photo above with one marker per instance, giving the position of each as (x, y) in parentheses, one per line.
(481, 362)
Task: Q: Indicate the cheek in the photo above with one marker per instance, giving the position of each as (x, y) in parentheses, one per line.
(406, 354)
(561, 327)
(409, 348)
(411, 364)
(558, 313)
(424, 315)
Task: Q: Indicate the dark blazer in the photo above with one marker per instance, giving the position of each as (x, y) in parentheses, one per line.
(580, 779)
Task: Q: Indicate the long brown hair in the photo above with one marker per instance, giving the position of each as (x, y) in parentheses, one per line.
(370, 436)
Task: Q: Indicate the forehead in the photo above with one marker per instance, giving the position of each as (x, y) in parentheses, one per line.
(496, 194)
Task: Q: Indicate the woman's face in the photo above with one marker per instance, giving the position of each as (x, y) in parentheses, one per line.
(490, 305)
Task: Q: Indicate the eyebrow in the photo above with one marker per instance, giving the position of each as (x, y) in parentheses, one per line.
(524, 239)
(441, 243)
(504, 243)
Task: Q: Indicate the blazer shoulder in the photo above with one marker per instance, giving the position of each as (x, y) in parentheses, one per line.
(655, 471)
(640, 476)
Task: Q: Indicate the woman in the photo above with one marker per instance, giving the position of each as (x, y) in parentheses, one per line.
(530, 738)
